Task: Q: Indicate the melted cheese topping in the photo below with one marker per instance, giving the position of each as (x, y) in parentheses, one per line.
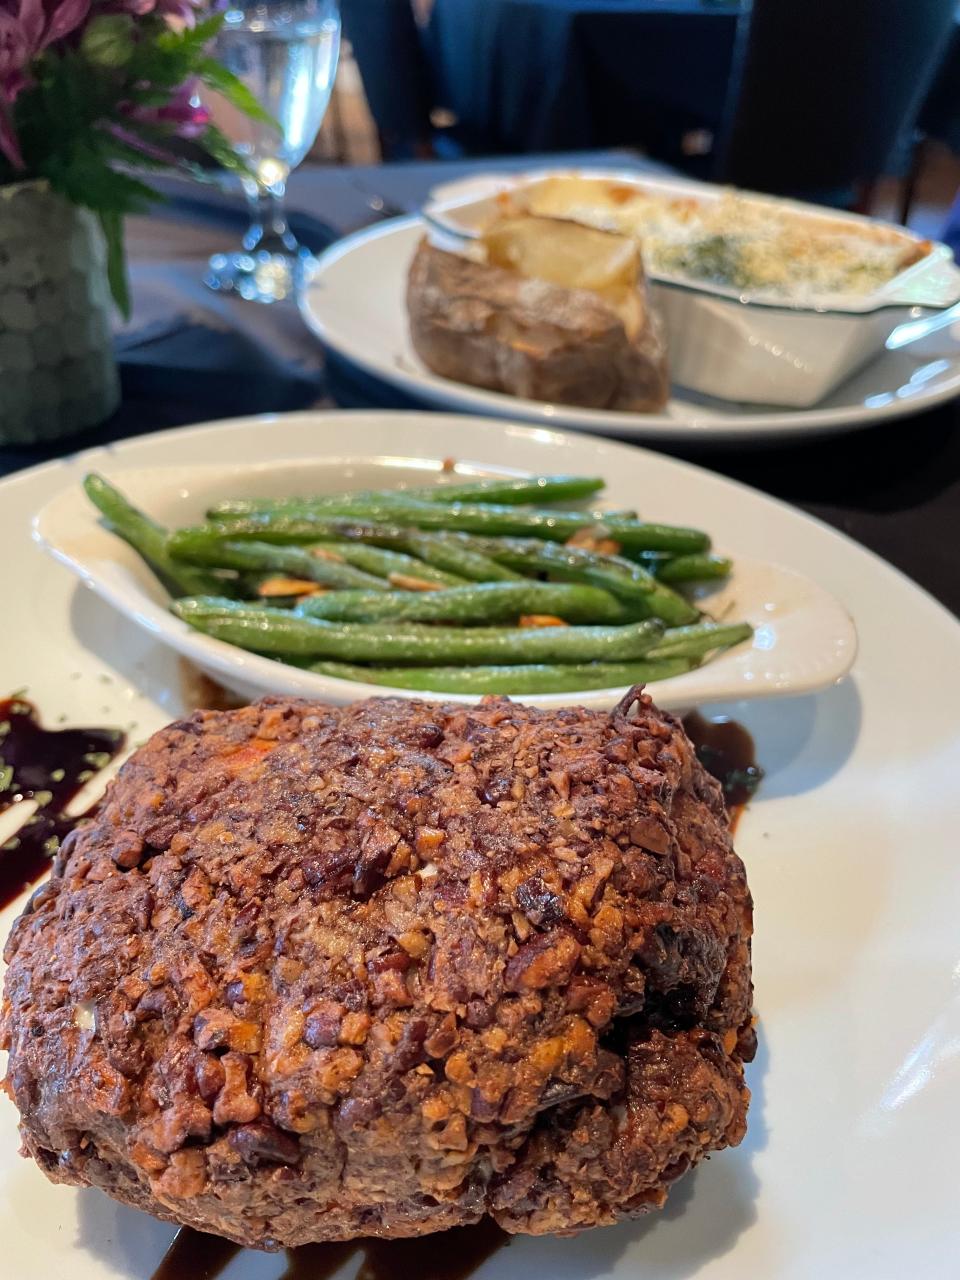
(734, 241)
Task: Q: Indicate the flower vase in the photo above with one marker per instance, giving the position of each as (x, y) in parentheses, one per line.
(57, 370)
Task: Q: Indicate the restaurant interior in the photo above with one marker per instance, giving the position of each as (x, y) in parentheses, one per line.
(479, 488)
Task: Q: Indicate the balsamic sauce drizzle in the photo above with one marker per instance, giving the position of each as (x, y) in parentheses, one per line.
(726, 750)
(48, 766)
(447, 1255)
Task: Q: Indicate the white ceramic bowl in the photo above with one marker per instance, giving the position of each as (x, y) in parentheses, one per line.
(753, 348)
(804, 638)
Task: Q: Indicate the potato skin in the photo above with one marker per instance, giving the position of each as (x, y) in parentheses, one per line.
(494, 328)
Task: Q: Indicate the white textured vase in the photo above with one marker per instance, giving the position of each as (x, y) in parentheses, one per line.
(57, 371)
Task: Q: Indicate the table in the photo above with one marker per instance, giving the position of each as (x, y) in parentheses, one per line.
(538, 75)
(189, 355)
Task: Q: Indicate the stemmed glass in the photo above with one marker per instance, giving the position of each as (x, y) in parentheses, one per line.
(286, 52)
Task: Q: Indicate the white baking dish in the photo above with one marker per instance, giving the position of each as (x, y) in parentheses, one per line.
(751, 347)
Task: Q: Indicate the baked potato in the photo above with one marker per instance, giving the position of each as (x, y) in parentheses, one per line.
(543, 309)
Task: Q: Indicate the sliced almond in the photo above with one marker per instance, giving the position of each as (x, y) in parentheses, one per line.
(407, 582)
(594, 538)
(541, 620)
(271, 587)
(324, 553)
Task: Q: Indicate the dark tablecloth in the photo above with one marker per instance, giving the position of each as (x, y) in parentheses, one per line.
(536, 75)
(189, 355)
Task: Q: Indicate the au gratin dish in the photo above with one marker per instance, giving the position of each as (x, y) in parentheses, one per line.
(732, 240)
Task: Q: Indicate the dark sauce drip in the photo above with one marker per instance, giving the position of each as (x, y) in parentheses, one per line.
(726, 750)
(446, 1255)
(193, 1255)
(51, 766)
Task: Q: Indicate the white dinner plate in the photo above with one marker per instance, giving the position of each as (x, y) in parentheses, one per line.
(848, 1169)
(354, 303)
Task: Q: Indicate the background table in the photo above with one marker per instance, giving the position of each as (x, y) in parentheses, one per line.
(527, 75)
(189, 355)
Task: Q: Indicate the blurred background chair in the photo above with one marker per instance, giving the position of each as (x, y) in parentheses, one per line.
(814, 98)
(561, 75)
(824, 95)
(396, 75)
(489, 77)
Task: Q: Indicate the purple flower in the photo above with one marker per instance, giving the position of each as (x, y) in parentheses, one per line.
(185, 112)
(184, 116)
(183, 12)
(26, 28)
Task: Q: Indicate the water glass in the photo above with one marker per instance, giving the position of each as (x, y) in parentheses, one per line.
(286, 52)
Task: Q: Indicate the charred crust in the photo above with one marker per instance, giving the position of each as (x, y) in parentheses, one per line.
(315, 971)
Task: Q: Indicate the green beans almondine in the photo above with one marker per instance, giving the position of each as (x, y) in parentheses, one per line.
(383, 563)
(511, 492)
(521, 679)
(491, 519)
(252, 557)
(622, 578)
(478, 602)
(424, 588)
(279, 632)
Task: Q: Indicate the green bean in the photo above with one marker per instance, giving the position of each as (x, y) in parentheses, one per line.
(383, 563)
(289, 530)
(650, 560)
(699, 640)
(555, 526)
(491, 519)
(508, 491)
(443, 553)
(622, 578)
(279, 632)
(148, 538)
(512, 492)
(694, 568)
(478, 602)
(266, 556)
(532, 678)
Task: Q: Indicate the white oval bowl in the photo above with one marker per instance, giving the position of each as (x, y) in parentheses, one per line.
(804, 639)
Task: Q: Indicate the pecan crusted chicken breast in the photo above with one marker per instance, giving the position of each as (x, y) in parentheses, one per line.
(320, 972)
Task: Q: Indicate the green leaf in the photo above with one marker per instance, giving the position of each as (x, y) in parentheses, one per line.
(86, 178)
(108, 40)
(112, 224)
(121, 151)
(191, 37)
(220, 149)
(167, 58)
(217, 76)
